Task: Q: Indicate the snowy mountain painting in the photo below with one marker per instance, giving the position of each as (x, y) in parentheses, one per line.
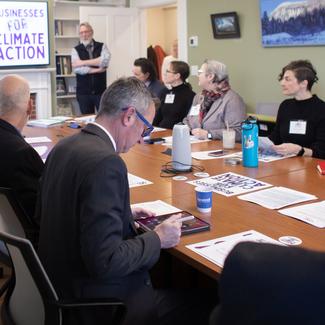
(292, 23)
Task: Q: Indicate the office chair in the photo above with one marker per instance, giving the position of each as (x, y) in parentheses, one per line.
(9, 222)
(32, 298)
(271, 284)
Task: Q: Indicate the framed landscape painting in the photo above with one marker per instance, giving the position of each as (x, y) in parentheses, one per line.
(292, 22)
(225, 25)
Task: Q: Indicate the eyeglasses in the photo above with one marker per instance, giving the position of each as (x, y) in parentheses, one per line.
(149, 127)
(173, 72)
(199, 71)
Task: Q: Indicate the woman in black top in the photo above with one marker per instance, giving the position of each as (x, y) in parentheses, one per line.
(177, 101)
(300, 123)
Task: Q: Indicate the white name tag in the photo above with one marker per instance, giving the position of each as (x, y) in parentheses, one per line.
(298, 127)
(195, 110)
(169, 98)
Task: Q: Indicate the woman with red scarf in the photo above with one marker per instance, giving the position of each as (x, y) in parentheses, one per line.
(217, 106)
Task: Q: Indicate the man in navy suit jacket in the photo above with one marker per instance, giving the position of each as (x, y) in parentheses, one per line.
(20, 165)
(88, 241)
(264, 284)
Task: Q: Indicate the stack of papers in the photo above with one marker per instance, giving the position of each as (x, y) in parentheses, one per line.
(216, 250)
(44, 122)
(313, 213)
(277, 197)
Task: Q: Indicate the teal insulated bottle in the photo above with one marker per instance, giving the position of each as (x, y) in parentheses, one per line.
(250, 142)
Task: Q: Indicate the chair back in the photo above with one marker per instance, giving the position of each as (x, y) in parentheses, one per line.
(9, 221)
(25, 304)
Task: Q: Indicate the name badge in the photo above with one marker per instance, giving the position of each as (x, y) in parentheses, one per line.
(195, 110)
(169, 98)
(298, 127)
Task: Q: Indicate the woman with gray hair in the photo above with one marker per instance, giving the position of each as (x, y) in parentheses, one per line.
(217, 106)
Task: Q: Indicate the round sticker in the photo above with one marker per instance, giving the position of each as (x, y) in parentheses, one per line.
(201, 174)
(179, 178)
(290, 240)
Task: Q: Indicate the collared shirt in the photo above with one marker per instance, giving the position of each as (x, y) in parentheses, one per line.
(106, 131)
(105, 57)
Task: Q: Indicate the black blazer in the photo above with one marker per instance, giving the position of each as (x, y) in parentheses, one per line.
(20, 167)
(88, 242)
(263, 284)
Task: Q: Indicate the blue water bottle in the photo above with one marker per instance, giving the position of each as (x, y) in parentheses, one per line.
(249, 142)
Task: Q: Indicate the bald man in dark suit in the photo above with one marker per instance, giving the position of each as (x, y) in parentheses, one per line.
(20, 165)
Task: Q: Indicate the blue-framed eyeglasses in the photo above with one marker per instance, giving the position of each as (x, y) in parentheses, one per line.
(148, 126)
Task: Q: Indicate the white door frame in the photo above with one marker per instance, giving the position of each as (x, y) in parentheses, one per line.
(181, 23)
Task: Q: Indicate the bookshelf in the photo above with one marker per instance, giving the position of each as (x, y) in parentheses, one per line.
(66, 36)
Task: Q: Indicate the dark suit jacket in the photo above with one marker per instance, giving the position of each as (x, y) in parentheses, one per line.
(88, 242)
(20, 167)
(156, 88)
(263, 284)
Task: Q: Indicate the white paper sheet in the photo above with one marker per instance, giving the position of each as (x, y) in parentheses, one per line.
(193, 139)
(32, 140)
(313, 213)
(158, 207)
(265, 144)
(41, 150)
(262, 156)
(277, 197)
(204, 155)
(158, 129)
(230, 184)
(216, 250)
(135, 181)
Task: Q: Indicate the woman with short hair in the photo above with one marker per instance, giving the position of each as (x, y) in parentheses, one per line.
(175, 102)
(218, 106)
(300, 123)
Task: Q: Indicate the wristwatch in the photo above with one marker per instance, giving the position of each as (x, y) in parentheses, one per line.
(209, 135)
(301, 152)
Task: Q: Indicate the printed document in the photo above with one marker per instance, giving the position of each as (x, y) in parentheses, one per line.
(37, 140)
(216, 250)
(313, 213)
(277, 197)
(229, 184)
(158, 207)
(204, 155)
(135, 181)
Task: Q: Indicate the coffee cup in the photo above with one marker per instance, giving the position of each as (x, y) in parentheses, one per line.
(203, 199)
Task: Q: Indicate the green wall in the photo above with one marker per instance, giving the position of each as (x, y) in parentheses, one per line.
(253, 69)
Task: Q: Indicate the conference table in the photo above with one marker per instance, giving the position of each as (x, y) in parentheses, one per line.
(229, 215)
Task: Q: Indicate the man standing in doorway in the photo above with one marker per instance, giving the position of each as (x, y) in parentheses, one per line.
(90, 60)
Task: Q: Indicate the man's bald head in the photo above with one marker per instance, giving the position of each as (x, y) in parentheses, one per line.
(14, 95)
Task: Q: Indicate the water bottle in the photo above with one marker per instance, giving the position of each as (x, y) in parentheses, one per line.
(181, 148)
(250, 142)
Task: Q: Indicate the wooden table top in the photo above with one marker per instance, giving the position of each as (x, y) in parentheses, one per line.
(229, 214)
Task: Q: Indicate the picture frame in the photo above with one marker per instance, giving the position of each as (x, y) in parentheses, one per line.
(292, 23)
(225, 25)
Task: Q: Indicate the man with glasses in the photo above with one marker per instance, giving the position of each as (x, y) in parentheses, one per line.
(90, 60)
(89, 244)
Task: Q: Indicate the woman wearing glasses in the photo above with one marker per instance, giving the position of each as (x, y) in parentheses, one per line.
(175, 102)
(217, 106)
